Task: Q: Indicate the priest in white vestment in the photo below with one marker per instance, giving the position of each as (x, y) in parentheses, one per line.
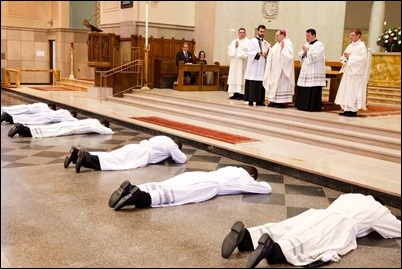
(237, 54)
(316, 235)
(279, 76)
(189, 187)
(352, 90)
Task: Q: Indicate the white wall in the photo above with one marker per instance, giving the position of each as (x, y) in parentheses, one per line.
(327, 18)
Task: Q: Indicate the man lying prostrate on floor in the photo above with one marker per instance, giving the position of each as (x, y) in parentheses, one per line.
(62, 129)
(316, 236)
(151, 151)
(44, 117)
(189, 187)
(7, 112)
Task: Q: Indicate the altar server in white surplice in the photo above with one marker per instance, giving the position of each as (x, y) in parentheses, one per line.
(237, 54)
(316, 236)
(279, 76)
(312, 74)
(151, 151)
(189, 187)
(351, 94)
(62, 129)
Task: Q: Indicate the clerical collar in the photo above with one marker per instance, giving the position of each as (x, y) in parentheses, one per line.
(312, 42)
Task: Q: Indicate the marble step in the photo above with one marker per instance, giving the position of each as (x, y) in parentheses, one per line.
(75, 84)
(385, 148)
(305, 118)
(382, 100)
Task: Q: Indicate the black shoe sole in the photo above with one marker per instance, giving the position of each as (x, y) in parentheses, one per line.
(264, 247)
(72, 158)
(233, 239)
(122, 191)
(16, 129)
(80, 159)
(127, 200)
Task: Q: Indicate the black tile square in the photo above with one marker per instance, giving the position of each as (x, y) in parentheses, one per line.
(294, 211)
(11, 158)
(210, 159)
(269, 199)
(271, 178)
(304, 190)
(374, 239)
(36, 147)
(51, 154)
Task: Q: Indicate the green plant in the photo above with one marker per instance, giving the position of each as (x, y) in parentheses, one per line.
(390, 39)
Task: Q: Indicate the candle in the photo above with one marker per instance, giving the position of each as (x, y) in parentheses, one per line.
(146, 25)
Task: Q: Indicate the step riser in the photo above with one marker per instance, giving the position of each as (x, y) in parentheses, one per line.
(230, 110)
(251, 121)
(230, 121)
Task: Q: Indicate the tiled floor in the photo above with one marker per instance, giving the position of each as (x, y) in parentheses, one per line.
(54, 217)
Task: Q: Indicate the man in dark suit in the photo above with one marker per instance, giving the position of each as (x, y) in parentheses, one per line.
(185, 56)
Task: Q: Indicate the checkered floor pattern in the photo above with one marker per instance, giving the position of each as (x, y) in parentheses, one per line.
(290, 196)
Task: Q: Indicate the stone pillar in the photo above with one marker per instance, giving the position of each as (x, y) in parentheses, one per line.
(376, 25)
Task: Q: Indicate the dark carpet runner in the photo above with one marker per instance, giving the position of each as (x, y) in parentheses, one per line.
(218, 135)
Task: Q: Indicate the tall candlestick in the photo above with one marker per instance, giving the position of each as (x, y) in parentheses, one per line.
(146, 25)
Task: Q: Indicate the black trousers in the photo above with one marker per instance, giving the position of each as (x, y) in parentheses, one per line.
(309, 98)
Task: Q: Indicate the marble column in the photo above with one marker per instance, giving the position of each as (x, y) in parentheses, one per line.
(376, 25)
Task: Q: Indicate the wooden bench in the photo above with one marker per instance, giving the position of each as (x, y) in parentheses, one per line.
(17, 71)
(223, 76)
(165, 73)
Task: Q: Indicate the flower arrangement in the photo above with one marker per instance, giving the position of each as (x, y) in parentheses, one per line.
(390, 39)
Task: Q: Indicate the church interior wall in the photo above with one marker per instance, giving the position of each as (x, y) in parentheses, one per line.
(27, 27)
(296, 17)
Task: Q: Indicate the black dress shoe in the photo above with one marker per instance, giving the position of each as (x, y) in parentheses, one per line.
(234, 96)
(16, 129)
(82, 155)
(233, 239)
(351, 114)
(240, 96)
(72, 158)
(130, 199)
(345, 113)
(122, 191)
(264, 247)
(6, 117)
(281, 105)
(271, 104)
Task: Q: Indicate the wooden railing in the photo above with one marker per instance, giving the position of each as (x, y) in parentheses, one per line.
(17, 71)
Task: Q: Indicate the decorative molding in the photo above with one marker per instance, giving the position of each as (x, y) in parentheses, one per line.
(98, 13)
(270, 9)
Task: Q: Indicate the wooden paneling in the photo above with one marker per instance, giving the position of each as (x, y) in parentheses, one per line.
(101, 48)
(159, 49)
